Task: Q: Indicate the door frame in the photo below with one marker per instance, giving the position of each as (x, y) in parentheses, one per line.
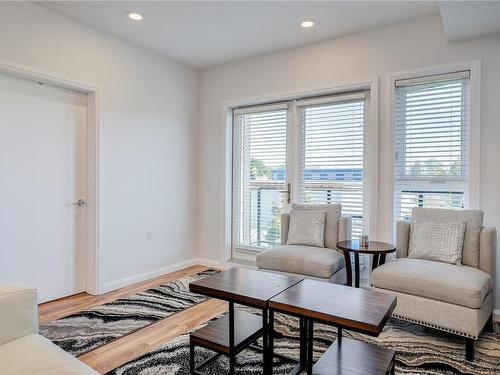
(226, 155)
(251, 251)
(94, 105)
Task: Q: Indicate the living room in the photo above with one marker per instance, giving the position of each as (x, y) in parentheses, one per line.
(249, 187)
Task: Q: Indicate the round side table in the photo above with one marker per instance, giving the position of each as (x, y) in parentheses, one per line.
(377, 249)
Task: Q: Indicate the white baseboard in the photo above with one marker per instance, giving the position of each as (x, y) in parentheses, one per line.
(113, 285)
(210, 263)
(215, 264)
(108, 287)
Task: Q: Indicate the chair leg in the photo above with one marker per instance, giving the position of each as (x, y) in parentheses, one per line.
(489, 325)
(469, 349)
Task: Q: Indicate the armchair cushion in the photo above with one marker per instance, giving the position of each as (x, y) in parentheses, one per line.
(285, 225)
(459, 285)
(307, 228)
(437, 240)
(402, 238)
(345, 229)
(304, 260)
(488, 249)
(474, 223)
(333, 213)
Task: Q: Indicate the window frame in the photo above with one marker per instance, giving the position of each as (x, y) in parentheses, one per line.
(370, 201)
(364, 95)
(424, 186)
(387, 220)
(236, 144)
(379, 175)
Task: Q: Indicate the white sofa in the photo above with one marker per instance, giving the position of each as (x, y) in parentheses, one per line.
(22, 350)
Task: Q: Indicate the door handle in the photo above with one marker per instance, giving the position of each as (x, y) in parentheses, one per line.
(80, 203)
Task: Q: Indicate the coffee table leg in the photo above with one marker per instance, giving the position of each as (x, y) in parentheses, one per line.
(270, 335)
(232, 363)
(356, 269)
(265, 341)
(303, 341)
(310, 329)
(191, 357)
(348, 267)
(232, 358)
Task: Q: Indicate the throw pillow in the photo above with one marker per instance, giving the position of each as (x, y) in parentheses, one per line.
(307, 228)
(438, 240)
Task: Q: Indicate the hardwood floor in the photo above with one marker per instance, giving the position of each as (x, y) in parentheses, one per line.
(118, 352)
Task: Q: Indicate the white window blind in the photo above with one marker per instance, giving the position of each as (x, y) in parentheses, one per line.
(331, 153)
(431, 132)
(259, 173)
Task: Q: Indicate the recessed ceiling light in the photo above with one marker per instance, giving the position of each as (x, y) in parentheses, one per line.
(307, 23)
(135, 16)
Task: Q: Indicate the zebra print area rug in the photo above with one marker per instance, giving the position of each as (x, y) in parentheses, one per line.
(420, 350)
(89, 329)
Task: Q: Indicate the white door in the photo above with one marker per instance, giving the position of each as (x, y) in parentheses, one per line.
(260, 178)
(311, 151)
(42, 175)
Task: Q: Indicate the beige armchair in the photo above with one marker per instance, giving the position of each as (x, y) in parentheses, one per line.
(326, 263)
(22, 350)
(451, 298)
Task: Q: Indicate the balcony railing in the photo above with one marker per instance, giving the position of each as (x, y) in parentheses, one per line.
(267, 202)
(407, 199)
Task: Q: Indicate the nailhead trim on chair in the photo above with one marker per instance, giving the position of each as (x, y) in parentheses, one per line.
(436, 327)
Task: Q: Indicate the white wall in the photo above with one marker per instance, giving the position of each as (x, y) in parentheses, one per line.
(150, 132)
(148, 156)
(350, 59)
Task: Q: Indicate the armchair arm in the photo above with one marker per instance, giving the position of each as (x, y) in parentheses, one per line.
(18, 312)
(345, 228)
(285, 224)
(487, 250)
(402, 238)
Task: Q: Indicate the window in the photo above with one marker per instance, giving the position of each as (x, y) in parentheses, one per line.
(331, 153)
(260, 175)
(431, 143)
(314, 145)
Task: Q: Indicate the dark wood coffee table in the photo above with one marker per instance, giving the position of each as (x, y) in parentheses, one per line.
(357, 310)
(357, 358)
(235, 331)
(378, 249)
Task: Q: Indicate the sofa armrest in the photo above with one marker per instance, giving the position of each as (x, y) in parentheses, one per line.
(487, 250)
(18, 312)
(285, 224)
(402, 238)
(345, 228)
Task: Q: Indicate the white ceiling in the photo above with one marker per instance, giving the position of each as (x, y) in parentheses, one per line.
(203, 34)
(470, 19)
